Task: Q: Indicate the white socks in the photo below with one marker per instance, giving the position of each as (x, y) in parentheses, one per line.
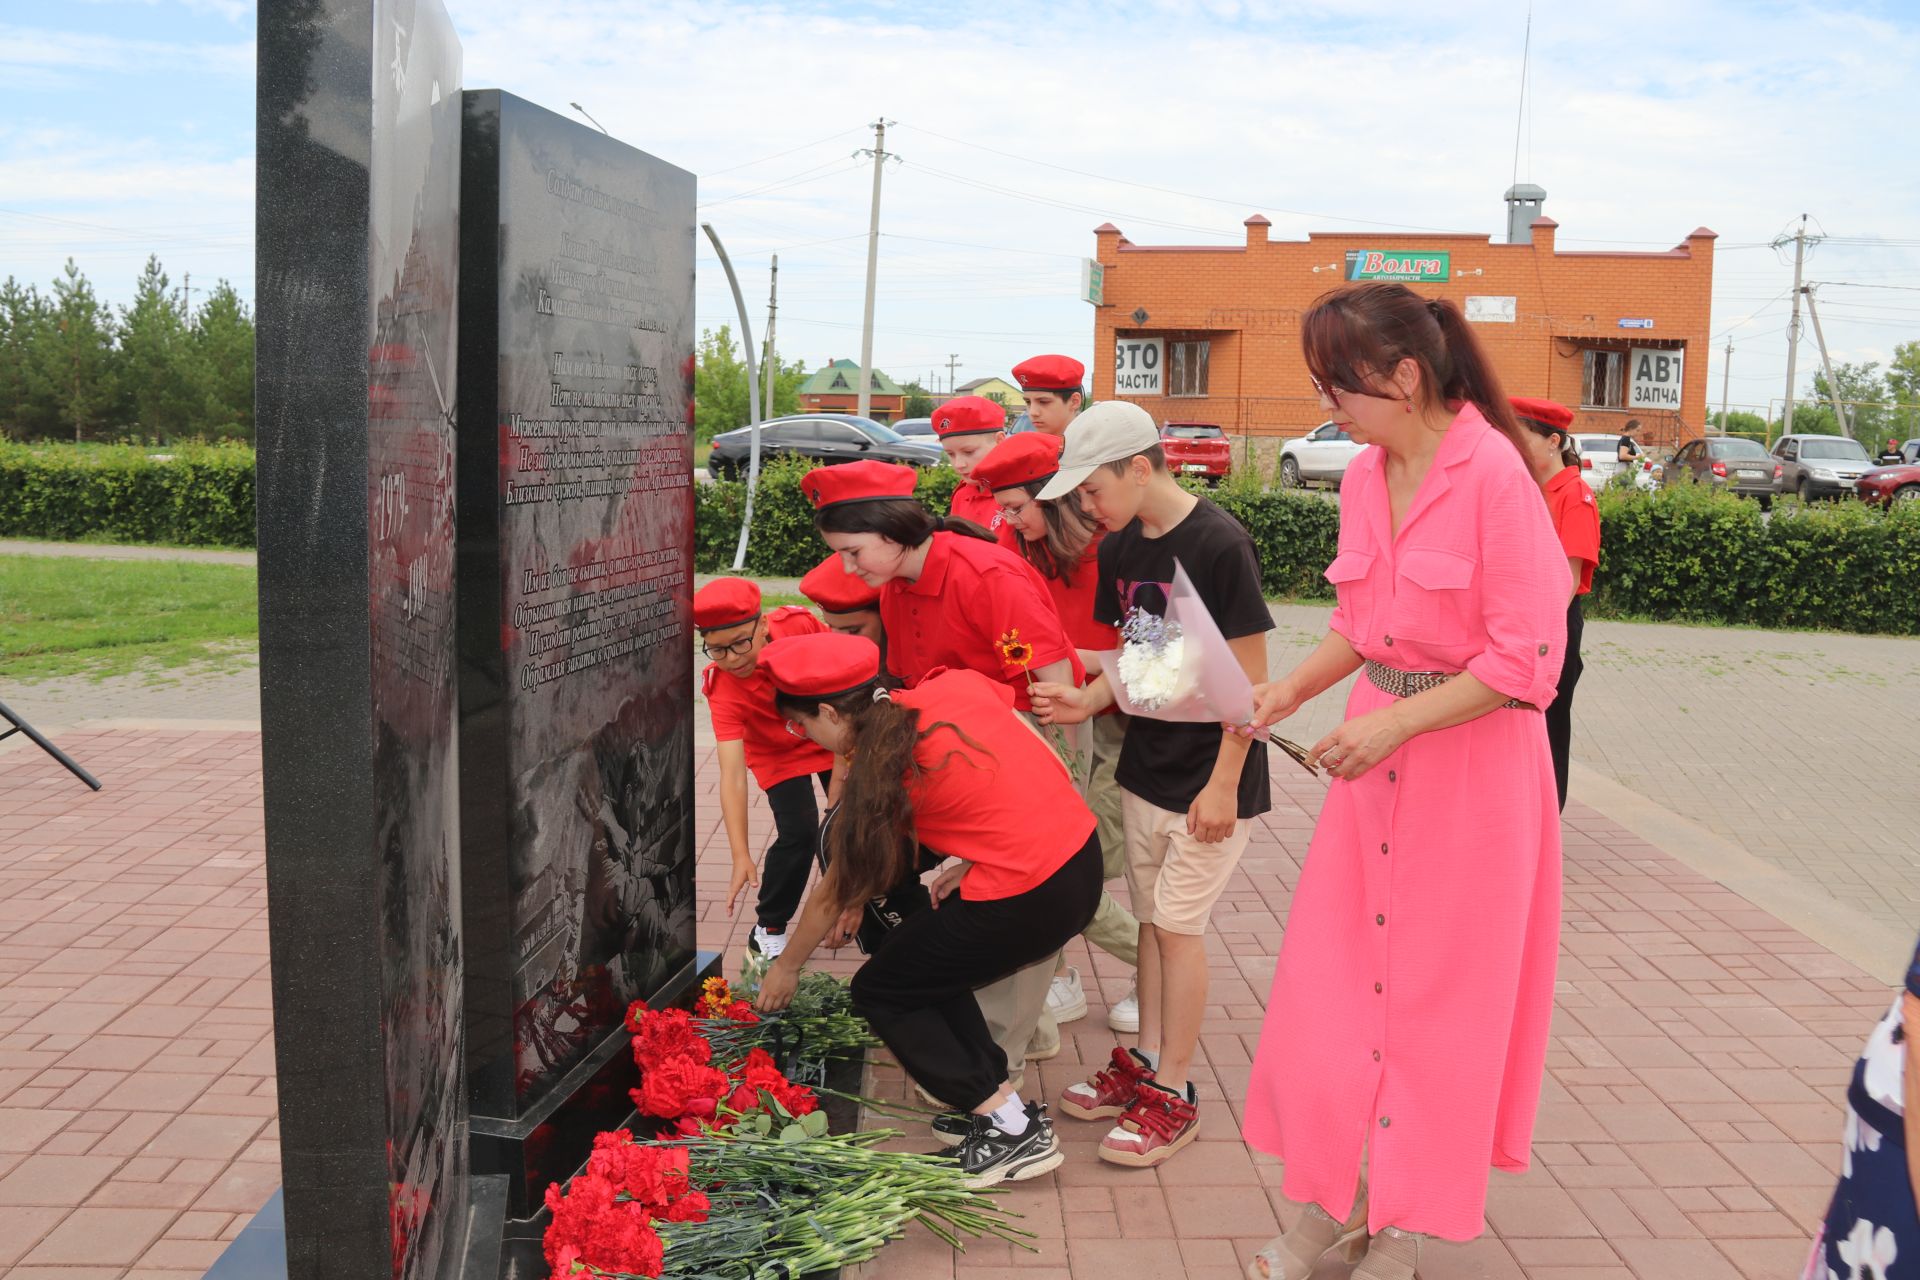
(1152, 1056)
(1010, 1117)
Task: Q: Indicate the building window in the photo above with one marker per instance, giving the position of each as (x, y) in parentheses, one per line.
(1187, 374)
(1603, 381)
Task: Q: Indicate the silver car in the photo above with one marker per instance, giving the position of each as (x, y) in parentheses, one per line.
(1820, 466)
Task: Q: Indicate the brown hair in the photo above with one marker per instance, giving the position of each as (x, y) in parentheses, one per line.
(902, 520)
(871, 842)
(1354, 337)
(1155, 455)
(1569, 452)
(1058, 553)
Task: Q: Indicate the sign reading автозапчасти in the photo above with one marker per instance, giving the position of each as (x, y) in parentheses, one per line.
(1384, 264)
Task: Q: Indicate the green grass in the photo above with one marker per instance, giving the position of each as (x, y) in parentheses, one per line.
(99, 618)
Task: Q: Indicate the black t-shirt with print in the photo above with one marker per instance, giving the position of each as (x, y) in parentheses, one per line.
(1163, 763)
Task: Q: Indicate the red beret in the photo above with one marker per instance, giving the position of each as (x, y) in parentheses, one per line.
(1025, 461)
(968, 416)
(858, 482)
(1543, 411)
(725, 602)
(820, 665)
(1050, 373)
(830, 586)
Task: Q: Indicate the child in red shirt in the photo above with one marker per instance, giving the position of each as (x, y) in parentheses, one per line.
(950, 762)
(1062, 543)
(969, 427)
(752, 737)
(1554, 460)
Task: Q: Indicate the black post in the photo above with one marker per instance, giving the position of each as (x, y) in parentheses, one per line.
(40, 740)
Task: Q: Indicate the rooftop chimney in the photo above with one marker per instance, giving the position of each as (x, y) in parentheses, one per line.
(1523, 206)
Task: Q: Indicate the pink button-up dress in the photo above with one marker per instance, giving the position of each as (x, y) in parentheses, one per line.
(1410, 1007)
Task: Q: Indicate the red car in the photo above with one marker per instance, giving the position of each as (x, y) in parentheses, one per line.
(1887, 485)
(1197, 449)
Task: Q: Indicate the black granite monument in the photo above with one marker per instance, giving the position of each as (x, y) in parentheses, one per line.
(357, 212)
(575, 606)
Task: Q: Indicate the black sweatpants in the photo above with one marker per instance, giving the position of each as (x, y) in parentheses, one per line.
(917, 990)
(1560, 713)
(796, 842)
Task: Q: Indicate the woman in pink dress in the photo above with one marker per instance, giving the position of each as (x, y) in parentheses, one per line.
(1407, 1029)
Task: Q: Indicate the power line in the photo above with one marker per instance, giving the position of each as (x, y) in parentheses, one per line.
(805, 146)
(792, 180)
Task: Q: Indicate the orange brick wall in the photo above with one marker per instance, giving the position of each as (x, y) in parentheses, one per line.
(1247, 300)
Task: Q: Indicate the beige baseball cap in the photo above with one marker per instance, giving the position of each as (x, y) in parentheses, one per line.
(1111, 431)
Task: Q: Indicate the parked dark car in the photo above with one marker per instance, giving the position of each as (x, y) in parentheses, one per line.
(916, 429)
(1820, 466)
(1728, 462)
(1197, 449)
(825, 438)
(1888, 485)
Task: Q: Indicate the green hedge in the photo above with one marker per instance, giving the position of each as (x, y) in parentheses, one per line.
(1694, 554)
(191, 495)
(1686, 554)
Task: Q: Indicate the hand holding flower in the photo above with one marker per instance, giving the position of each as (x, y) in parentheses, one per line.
(1361, 743)
(1060, 703)
(777, 986)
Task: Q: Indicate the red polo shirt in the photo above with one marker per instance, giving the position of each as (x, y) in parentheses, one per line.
(1074, 599)
(743, 711)
(971, 502)
(970, 596)
(1576, 518)
(1009, 809)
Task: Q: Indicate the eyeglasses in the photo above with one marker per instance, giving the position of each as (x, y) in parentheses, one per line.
(714, 653)
(795, 728)
(1329, 392)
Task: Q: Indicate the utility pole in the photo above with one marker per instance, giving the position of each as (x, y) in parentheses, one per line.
(769, 363)
(1833, 388)
(880, 157)
(953, 362)
(1726, 377)
(1793, 325)
(186, 294)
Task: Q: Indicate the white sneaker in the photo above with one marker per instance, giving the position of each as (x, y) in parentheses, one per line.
(1066, 1000)
(767, 944)
(1125, 1016)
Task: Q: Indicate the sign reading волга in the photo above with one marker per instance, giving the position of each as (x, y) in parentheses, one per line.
(1379, 264)
(1138, 365)
(1655, 378)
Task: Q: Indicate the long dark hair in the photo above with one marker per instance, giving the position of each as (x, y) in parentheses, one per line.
(1569, 452)
(902, 520)
(1353, 336)
(1057, 554)
(871, 841)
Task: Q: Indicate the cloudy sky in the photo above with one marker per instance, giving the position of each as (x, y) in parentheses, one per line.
(126, 127)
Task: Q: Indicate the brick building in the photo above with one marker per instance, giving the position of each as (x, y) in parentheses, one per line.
(1212, 334)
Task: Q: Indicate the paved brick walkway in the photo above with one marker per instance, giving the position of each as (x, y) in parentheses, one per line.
(1691, 1123)
(137, 1129)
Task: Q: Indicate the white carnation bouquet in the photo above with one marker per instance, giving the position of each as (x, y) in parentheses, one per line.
(1178, 667)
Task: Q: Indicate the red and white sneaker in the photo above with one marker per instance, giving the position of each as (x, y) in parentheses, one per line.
(1111, 1091)
(1156, 1126)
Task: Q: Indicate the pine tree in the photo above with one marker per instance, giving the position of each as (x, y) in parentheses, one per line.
(159, 395)
(78, 357)
(26, 409)
(221, 345)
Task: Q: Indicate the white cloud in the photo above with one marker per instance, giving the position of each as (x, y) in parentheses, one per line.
(43, 57)
(1648, 119)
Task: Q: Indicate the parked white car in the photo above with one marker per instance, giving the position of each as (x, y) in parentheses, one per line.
(1319, 457)
(1599, 459)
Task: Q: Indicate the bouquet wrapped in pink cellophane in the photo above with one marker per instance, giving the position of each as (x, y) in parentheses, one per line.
(1179, 667)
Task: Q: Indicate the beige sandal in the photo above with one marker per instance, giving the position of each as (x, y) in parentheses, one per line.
(1316, 1234)
(1393, 1255)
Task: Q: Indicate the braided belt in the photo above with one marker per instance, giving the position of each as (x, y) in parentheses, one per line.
(1404, 684)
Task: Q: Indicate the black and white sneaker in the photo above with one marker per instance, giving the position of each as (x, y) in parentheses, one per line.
(951, 1129)
(990, 1156)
